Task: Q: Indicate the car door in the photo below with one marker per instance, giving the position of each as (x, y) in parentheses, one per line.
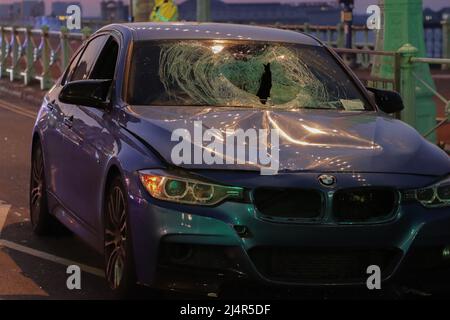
(72, 149)
(53, 145)
(89, 142)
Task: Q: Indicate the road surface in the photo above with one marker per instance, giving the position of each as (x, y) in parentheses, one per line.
(33, 267)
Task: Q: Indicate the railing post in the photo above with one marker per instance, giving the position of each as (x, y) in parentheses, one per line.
(65, 48)
(86, 31)
(306, 28)
(14, 45)
(340, 40)
(446, 41)
(329, 37)
(408, 84)
(365, 58)
(45, 77)
(366, 45)
(28, 74)
(3, 51)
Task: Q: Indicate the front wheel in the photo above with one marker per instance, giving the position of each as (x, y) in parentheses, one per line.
(42, 222)
(119, 262)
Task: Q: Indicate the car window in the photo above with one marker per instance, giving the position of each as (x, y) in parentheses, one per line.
(71, 68)
(88, 59)
(240, 74)
(106, 63)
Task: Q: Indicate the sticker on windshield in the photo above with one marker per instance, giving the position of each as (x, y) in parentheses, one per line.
(352, 105)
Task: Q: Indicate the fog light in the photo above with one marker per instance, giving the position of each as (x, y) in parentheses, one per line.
(446, 253)
(179, 253)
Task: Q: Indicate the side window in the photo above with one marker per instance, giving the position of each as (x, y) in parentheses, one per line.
(71, 68)
(89, 57)
(106, 63)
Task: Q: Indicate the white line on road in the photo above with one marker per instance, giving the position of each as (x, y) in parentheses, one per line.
(4, 209)
(51, 257)
(18, 110)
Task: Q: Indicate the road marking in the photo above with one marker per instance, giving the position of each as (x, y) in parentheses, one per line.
(52, 258)
(4, 209)
(18, 110)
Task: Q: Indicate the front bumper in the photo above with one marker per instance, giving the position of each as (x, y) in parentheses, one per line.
(202, 249)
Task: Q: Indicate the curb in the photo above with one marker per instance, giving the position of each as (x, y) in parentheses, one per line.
(30, 94)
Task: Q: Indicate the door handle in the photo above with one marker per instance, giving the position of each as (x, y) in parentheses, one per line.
(68, 121)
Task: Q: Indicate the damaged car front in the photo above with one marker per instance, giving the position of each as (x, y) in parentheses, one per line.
(353, 188)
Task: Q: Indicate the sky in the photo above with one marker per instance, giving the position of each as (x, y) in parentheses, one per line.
(93, 6)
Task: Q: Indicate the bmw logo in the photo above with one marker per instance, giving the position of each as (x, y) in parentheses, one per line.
(327, 180)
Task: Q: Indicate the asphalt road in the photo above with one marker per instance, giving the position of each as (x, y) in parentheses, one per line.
(32, 267)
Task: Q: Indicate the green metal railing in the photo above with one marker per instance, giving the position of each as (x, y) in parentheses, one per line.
(36, 54)
(410, 62)
(404, 80)
(363, 59)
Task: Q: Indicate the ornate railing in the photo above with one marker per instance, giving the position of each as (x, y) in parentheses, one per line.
(36, 54)
(417, 79)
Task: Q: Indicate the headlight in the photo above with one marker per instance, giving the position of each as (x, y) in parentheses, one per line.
(167, 187)
(435, 196)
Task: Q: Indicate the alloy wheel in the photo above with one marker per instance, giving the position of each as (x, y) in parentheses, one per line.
(37, 186)
(115, 237)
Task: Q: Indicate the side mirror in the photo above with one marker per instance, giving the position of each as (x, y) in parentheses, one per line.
(90, 93)
(387, 101)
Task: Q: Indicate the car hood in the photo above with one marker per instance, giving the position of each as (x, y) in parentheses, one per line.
(310, 140)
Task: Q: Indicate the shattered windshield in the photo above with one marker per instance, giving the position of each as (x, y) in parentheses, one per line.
(240, 74)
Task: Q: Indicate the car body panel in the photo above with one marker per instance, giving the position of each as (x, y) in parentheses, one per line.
(215, 31)
(310, 140)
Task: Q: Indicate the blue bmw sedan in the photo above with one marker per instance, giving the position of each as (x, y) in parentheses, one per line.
(129, 154)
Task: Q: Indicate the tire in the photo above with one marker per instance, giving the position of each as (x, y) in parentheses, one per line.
(119, 261)
(42, 222)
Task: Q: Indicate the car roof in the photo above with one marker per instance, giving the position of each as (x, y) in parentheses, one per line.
(212, 31)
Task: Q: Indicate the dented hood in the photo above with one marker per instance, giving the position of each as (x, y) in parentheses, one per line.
(310, 140)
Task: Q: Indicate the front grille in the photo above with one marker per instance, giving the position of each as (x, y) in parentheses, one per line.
(365, 204)
(319, 266)
(288, 203)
